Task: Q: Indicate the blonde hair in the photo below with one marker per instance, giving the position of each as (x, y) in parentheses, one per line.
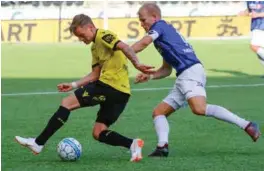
(152, 8)
(80, 20)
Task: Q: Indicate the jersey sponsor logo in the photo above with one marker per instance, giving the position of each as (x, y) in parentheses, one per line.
(108, 38)
(100, 98)
(124, 86)
(200, 84)
(85, 94)
(188, 50)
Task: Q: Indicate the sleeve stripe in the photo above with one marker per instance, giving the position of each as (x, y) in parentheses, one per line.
(114, 47)
(94, 65)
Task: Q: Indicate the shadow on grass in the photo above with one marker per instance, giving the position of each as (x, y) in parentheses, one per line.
(16, 85)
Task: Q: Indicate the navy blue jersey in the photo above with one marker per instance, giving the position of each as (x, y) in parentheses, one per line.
(258, 7)
(172, 46)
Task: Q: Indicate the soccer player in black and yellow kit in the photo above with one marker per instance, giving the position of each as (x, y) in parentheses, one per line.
(107, 85)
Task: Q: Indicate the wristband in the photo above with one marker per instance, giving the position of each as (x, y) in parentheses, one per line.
(74, 85)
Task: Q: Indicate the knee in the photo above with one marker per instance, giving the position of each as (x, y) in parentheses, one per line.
(156, 113)
(254, 48)
(65, 103)
(162, 109)
(199, 110)
(70, 102)
(96, 134)
(98, 129)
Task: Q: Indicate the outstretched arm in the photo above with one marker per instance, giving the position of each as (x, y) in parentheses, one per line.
(131, 55)
(164, 71)
(129, 52)
(93, 76)
(142, 44)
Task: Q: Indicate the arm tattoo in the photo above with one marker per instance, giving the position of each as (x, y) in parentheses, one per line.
(131, 55)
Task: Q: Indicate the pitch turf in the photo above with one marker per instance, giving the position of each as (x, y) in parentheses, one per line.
(196, 143)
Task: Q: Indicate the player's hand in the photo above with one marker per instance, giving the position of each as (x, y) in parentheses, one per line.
(253, 14)
(64, 87)
(141, 78)
(145, 68)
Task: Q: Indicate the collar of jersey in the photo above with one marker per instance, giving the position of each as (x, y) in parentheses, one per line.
(95, 35)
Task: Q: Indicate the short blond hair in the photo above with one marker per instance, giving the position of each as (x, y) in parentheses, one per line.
(80, 20)
(152, 8)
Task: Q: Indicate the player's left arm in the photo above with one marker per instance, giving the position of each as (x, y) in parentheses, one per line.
(131, 55)
(110, 40)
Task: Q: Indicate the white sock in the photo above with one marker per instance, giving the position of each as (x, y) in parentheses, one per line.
(260, 53)
(223, 114)
(162, 129)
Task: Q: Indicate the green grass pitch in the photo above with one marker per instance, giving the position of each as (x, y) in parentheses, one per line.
(196, 143)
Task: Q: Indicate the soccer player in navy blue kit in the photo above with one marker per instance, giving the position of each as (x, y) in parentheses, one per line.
(255, 9)
(191, 79)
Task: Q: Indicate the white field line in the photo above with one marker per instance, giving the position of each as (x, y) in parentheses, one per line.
(135, 90)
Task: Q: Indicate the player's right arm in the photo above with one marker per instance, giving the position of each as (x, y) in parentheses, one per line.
(147, 40)
(93, 76)
(164, 71)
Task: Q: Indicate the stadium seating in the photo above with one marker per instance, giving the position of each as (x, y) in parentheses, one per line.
(40, 3)
(130, 3)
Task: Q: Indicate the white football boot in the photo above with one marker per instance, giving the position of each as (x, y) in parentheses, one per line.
(135, 149)
(30, 143)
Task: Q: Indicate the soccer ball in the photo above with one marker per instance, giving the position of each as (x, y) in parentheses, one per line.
(69, 149)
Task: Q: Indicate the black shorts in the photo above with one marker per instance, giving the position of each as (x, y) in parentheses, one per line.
(112, 102)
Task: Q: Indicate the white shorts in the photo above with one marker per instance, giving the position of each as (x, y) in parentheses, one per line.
(190, 83)
(257, 38)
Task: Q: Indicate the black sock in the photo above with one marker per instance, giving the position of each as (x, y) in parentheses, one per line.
(114, 139)
(55, 122)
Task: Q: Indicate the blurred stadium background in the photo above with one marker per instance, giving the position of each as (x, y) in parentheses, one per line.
(48, 21)
(38, 52)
